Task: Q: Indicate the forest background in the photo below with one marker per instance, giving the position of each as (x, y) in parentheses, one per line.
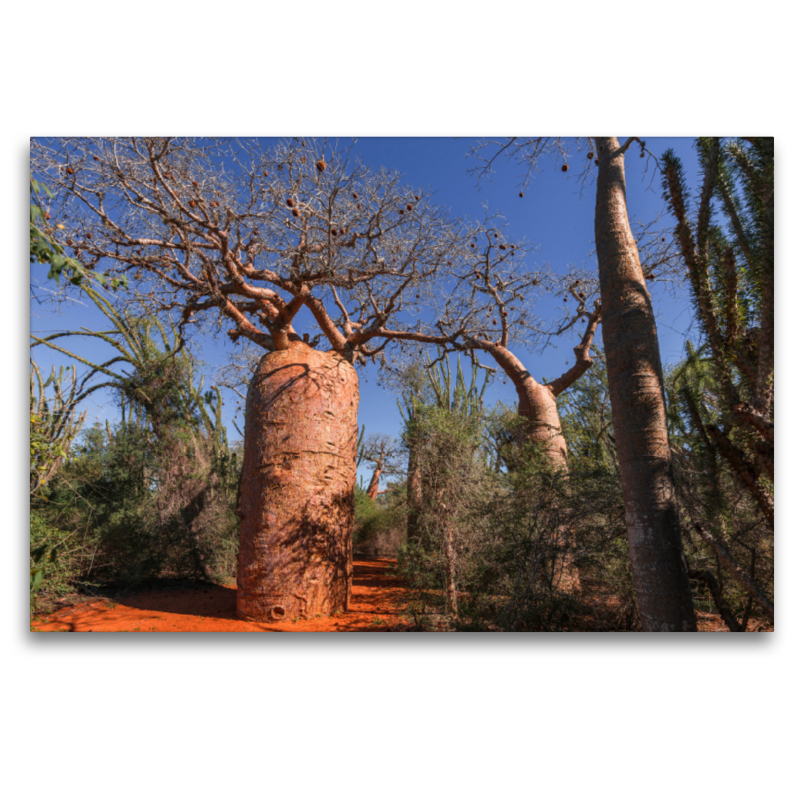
(620, 709)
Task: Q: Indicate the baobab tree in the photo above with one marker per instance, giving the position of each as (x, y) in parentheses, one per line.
(635, 378)
(382, 452)
(492, 310)
(256, 236)
(493, 288)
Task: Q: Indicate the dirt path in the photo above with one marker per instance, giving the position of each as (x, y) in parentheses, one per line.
(375, 605)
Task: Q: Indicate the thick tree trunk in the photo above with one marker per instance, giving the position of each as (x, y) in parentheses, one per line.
(638, 408)
(537, 404)
(297, 486)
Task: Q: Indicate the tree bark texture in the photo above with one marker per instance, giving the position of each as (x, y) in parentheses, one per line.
(298, 483)
(537, 404)
(638, 408)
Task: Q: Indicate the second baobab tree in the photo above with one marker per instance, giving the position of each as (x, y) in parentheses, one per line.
(491, 310)
(269, 239)
(382, 452)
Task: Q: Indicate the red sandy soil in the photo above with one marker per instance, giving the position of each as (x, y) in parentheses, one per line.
(375, 605)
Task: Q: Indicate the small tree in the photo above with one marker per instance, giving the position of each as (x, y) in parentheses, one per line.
(443, 433)
(382, 451)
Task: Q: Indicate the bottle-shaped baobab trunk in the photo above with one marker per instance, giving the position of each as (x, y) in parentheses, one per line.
(297, 486)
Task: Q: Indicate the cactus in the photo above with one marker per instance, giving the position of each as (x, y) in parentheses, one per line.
(54, 421)
(158, 389)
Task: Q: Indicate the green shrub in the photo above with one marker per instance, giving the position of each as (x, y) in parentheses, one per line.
(380, 525)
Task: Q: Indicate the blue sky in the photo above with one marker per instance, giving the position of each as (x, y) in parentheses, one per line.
(556, 214)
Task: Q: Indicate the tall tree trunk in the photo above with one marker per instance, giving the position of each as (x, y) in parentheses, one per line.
(297, 488)
(638, 408)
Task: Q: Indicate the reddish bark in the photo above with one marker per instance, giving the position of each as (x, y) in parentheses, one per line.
(297, 486)
(638, 408)
(537, 402)
(537, 405)
(372, 489)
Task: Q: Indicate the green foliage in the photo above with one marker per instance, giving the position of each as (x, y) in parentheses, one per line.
(585, 412)
(380, 525)
(446, 440)
(499, 522)
(114, 502)
(515, 532)
(155, 494)
(434, 387)
(46, 567)
(45, 248)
